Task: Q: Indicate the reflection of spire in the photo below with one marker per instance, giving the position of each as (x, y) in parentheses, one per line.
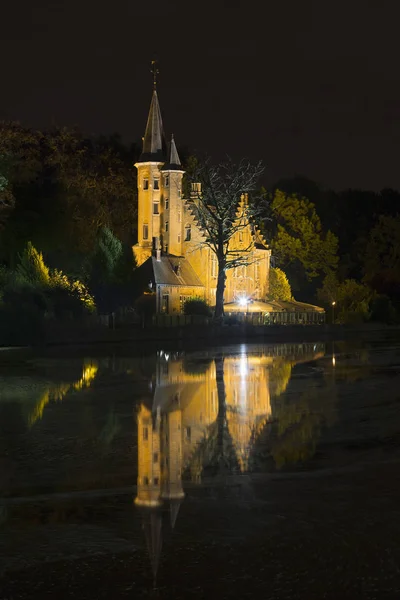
(174, 507)
(152, 526)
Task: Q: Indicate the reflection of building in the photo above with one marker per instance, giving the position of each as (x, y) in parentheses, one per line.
(178, 429)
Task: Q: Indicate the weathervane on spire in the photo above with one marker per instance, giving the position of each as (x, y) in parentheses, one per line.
(155, 72)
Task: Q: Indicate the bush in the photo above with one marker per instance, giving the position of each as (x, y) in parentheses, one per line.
(69, 297)
(353, 302)
(279, 286)
(196, 306)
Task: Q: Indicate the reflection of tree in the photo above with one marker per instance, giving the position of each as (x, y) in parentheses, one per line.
(281, 371)
(56, 392)
(298, 423)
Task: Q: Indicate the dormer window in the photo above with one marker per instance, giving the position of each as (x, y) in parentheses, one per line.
(145, 184)
(166, 181)
(156, 184)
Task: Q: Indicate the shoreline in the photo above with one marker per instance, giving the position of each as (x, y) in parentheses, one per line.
(199, 336)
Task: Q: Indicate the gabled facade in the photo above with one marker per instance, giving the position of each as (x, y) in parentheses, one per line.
(170, 242)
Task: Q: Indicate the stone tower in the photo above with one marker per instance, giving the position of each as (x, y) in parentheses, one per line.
(160, 204)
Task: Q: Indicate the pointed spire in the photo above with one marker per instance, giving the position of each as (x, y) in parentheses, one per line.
(154, 140)
(174, 162)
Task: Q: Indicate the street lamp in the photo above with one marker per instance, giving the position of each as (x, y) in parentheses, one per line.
(333, 311)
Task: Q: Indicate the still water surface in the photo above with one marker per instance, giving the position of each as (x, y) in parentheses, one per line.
(94, 439)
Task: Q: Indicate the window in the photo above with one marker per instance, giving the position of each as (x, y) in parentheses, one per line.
(145, 184)
(166, 181)
(182, 300)
(188, 233)
(165, 303)
(155, 457)
(145, 232)
(145, 434)
(214, 265)
(156, 184)
(156, 481)
(166, 203)
(146, 480)
(179, 238)
(188, 433)
(240, 236)
(156, 208)
(179, 216)
(179, 192)
(166, 226)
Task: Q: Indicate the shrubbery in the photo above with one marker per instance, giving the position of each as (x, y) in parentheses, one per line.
(196, 306)
(33, 293)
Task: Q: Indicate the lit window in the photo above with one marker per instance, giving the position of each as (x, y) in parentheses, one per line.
(155, 457)
(145, 434)
(166, 180)
(165, 303)
(156, 209)
(156, 184)
(166, 203)
(166, 226)
(145, 232)
(145, 184)
(214, 266)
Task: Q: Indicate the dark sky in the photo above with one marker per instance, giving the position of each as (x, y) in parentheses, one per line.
(310, 87)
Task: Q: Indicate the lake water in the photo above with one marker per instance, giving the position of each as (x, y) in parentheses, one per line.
(230, 472)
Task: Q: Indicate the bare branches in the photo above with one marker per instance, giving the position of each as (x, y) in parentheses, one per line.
(224, 206)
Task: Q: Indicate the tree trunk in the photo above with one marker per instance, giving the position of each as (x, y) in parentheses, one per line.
(221, 418)
(219, 297)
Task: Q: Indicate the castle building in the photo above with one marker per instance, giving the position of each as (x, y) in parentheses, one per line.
(170, 251)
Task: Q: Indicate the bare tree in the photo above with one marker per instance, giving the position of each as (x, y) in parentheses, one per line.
(221, 207)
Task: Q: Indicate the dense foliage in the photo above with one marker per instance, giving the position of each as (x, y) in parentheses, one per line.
(68, 217)
(279, 286)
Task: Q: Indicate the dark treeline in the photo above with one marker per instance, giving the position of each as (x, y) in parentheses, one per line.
(74, 199)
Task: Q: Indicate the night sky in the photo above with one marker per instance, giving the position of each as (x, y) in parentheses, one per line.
(309, 87)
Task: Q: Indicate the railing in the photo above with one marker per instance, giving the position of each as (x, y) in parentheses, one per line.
(251, 318)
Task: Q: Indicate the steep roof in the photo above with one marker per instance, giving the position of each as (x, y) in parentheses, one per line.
(173, 161)
(154, 146)
(174, 270)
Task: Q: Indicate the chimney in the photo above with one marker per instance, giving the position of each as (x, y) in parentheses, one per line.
(195, 191)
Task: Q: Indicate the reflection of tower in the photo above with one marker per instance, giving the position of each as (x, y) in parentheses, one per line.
(159, 474)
